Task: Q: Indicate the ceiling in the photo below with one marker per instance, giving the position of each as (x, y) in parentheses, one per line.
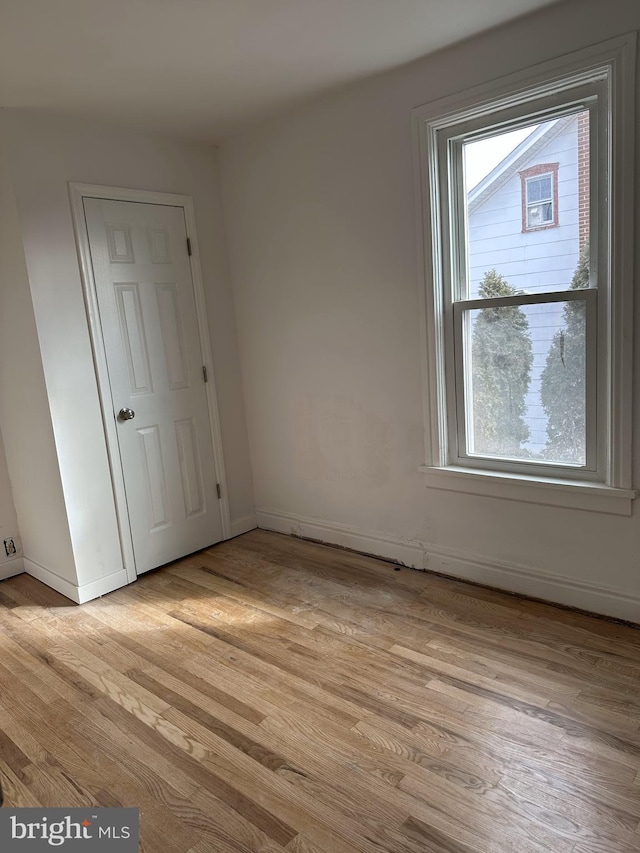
(207, 68)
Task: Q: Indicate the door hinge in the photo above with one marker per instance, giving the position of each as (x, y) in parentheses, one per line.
(218, 490)
(205, 375)
(189, 252)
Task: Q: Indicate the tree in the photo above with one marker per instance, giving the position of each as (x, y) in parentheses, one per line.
(562, 388)
(501, 369)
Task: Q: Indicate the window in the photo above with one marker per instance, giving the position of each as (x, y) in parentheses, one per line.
(539, 201)
(524, 306)
(525, 281)
(539, 196)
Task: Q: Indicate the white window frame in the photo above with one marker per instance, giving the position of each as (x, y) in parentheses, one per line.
(448, 137)
(602, 74)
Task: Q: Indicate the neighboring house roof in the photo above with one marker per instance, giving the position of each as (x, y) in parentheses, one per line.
(516, 160)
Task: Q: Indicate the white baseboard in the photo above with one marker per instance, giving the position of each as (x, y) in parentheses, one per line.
(79, 594)
(385, 545)
(12, 567)
(511, 577)
(89, 591)
(243, 525)
(536, 583)
(64, 587)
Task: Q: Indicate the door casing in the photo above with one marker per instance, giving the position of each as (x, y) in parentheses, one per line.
(77, 193)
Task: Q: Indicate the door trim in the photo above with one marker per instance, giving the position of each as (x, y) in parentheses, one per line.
(78, 192)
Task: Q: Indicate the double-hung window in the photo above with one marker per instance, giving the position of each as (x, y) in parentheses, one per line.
(527, 281)
(539, 201)
(540, 195)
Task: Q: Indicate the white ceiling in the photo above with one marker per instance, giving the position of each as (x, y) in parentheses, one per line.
(206, 68)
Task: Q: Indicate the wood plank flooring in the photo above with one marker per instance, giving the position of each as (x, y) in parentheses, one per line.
(276, 695)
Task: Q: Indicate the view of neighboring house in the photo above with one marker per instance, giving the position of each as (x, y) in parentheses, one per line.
(528, 220)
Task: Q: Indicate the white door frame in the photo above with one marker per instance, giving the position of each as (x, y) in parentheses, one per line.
(77, 193)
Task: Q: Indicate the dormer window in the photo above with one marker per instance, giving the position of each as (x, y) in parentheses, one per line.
(539, 197)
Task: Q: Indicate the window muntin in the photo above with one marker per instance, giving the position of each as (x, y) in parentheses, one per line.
(539, 293)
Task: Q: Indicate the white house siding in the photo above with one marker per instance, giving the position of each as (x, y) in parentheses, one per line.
(533, 261)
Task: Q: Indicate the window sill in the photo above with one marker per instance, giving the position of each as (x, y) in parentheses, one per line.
(593, 497)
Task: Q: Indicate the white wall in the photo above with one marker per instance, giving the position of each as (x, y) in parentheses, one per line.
(44, 154)
(320, 214)
(24, 410)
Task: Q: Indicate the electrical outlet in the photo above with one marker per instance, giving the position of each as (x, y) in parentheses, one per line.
(10, 546)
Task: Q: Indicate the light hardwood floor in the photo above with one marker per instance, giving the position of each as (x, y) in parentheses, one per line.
(271, 694)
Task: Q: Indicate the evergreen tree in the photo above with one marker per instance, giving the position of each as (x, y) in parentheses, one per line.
(501, 359)
(562, 389)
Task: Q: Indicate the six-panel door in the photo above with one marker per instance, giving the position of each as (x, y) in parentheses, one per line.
(149, 324)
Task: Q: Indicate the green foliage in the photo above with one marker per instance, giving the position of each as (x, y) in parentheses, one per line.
(562, 389)
(501, 359)
(580, 280)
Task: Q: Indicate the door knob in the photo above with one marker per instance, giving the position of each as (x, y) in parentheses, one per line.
(126, 414)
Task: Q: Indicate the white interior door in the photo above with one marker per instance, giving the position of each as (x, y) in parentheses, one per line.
(154, 358)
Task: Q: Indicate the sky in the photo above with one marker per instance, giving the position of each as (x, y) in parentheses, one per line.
(482, 156)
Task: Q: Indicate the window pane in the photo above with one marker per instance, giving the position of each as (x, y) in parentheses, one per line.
(527, 207)
(525, 382)
(539, 214)
(539, 188)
